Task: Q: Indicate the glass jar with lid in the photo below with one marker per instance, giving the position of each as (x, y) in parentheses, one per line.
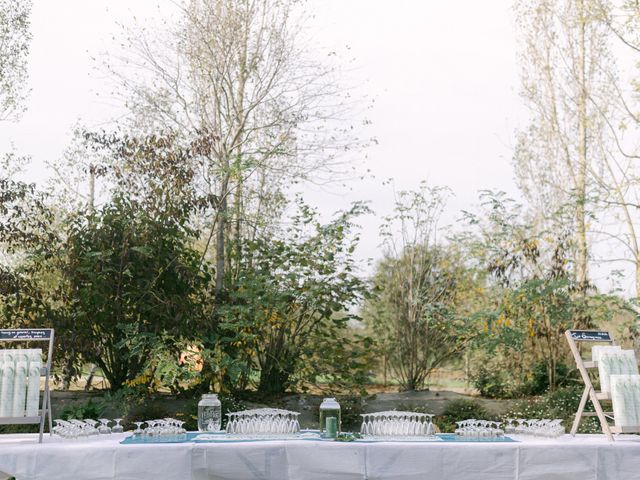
(209, 413)
(329, 418)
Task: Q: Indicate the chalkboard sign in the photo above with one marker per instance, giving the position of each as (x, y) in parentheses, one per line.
(590, 336)
(26, 334)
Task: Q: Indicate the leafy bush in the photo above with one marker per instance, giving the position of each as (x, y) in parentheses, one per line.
(339, 361)
(561, 404)
(495, 376)
(410, 407)
(151, 410)
(81, 411)
(134, 283)
(289, 293)
(491, 382)
(538, 381)
(497, 368)
(5, 429)
(350, 410)
(457, 410)
(419, 285)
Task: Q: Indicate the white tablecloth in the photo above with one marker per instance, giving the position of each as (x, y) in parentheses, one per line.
(585, 457)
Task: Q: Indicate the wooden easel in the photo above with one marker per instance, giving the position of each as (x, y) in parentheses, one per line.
(33, 335)
(590, 393)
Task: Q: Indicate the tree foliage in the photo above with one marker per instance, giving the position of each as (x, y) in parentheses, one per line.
(293, 300)
(235, 77)
(565, 56)
(29, 251)
(536, 298)
(181, 269)
(420, 283)
(128, 273)
(15, 38)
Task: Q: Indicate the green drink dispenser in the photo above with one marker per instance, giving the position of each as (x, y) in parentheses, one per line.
(329, 418)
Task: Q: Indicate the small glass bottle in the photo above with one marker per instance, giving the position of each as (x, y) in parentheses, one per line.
(209, 413)
(329, 418)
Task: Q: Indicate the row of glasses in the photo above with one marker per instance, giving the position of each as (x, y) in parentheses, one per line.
(397, 424)
(105, 429)
(161, 427)
(74, 428)
(263, 421)
(479, 429)
(546, 427)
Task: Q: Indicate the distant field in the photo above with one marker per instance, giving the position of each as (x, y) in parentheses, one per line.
(441, 379)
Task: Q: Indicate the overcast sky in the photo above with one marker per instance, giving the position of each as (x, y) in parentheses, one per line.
(443, 74)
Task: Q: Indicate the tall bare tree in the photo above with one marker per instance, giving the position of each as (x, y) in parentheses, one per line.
(618, 179)
(234, 78)
(15, 38)
(564, 54)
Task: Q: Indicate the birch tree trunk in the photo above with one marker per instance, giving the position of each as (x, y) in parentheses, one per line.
(582, 258)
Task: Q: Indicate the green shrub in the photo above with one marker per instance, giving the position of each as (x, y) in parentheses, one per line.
(410, 407)
(81, 411)
(491, 382)
(22, 428)
(151, 410)
(561, 404)
(494, 380)
(538, 381)
(457, 410)
(350, 410)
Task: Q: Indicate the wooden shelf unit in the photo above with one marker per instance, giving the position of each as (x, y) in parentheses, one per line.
(590, 393)
(33, 335)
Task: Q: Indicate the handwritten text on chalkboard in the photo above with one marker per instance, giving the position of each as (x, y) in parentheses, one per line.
(590, 336)
(26, 334)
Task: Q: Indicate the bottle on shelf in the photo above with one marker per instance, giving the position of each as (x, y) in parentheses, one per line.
(6, 396)
(33, 388)
(19, 389)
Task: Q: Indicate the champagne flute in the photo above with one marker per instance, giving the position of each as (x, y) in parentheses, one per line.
(117, 428)
(431, 429)
(104, 428)
(138, 430)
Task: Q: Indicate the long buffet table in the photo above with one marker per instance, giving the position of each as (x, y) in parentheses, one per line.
(585, 457)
